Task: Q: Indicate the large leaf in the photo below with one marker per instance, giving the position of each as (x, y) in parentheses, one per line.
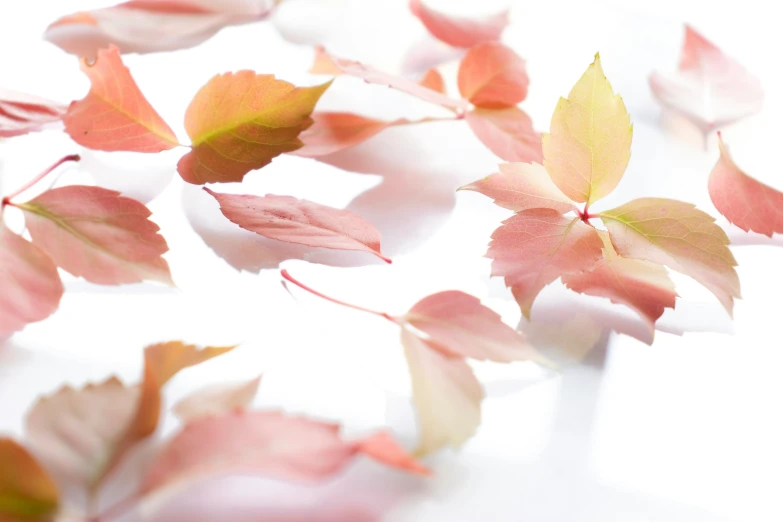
(27, 492)
(459, 31)
(22, 113)
(589, 142)
(507, 132)
(492, 76)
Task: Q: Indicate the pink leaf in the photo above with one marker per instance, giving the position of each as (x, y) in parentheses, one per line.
(507, 132)
(492, 76)
(23, 113)
(298, 221)
(31, 286)
(432, 79)
(709, 88)
(97, 234)
(458, 31)
(217, 400)
(744, 201)
(334, 131)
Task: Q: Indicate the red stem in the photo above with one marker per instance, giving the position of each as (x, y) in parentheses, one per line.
(288, 277)
(585, 214)
(39, 177)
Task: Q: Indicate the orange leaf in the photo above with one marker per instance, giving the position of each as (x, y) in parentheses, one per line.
(239, 122)
(492, 76)
(458, 31)
(27, 492)
(507, 132)
(335, 131)
(23, 113)
(323, 63)
(115, 116)
(432, 79)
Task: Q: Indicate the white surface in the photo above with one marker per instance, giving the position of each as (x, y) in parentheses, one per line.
(688, 429)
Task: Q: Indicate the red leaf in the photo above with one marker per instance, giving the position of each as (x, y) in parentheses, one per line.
(458, 31)
(744, 201)
(508, 133)
(115, 116)
(97, 234)
(31, 286)
(334, 131)
(23, 113)
(709, 88)
(432, 79)
(492, 76)
(145, 26)
(298, 221)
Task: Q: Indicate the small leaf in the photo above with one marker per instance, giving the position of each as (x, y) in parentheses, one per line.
(22, 113)
(432, 79)
(446, 394)
(506, 132)
(459, 325)
(27, 492)
(458, 31)
(537, 246)
(589, 142)
(298, 221)
(335, 131)
(323, 63)
(97, 234)
(217, 400)
(677, 235)
(744, 201)
(522, 186)
(709, 88)
(492, 76)
(31, 286)
(115, 115)
(239, 122)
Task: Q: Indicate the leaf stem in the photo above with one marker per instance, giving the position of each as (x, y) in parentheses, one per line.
(39, 177)
(288, 277)
(585, 214)
(429, 119)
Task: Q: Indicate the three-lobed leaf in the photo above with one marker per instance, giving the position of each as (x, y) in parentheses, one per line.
(27, 492)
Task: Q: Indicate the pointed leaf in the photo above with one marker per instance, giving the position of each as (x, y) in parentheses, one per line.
(381, 447)
(589, 142)
(323, 63)
(31, 286)
(537, 246)
(335, 131)
(239, 122)
(432, 79)
(744, 201)
(507, 132)
(446, 394)
(522, 186)
(115, 115)
(97, 234)
(640, 285)
(22, 113)
(675, 234)
(459, 325)
(27, 492)
(709, 88)
(217, 400)
(298, 221)
(492, 76)
(458, 31)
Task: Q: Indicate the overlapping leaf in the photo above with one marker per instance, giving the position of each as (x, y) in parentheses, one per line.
(27, 492)
(458, 31)
(433, 79)
(216, 400)
(492, 76)
(22, 113)
(335, 131)
(507, 132)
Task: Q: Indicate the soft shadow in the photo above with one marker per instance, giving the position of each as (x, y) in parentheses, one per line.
(427, 53)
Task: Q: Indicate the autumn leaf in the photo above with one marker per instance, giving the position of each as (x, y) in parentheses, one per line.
(506, 132)
(492, 76)
(459, 31)
(22, 113)
(536, 246)
(432, 79)
(239, 122)
(115, 115)
(27, 492)
(323, 63)
(589, 142)
(303, 222)
(97, 234)
(709, 88)
(522, 186)
(146, 26)
(31, 285)
(335, 131)
(216, 400)
(744, 201)
(676, 234)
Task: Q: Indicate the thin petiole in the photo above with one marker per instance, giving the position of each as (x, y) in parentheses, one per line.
(39, 177)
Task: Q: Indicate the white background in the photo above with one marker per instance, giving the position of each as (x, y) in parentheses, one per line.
(687, 429)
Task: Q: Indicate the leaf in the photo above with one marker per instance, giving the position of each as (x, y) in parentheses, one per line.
(323, 63)
(98, 234)
(31, 286)
(589, 142)
(146, 26)
(676, 234)
(640, 285)
(265, 443)
(335, 131)
(217, 400)
(535, 247)
(446, 394)
(115, 115)
(744, 201)
(522, 186)
(239, 122)
(492, 76)
(299, 221)
(22, 113)
(27, 492)
(506, 132)
(458, 31)
(432, 79)
(709, 88)
(458, 324)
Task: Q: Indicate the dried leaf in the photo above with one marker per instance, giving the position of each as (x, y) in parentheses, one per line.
(432, 79)
(507, 132)
(335, 131)
(217, 400)
(492, 76)
(459, 31)
(27, 492)
(22, 113)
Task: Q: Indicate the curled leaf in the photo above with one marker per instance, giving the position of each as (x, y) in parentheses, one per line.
(27, 492)
(506, 132)
(492, 76)
(459, 31)
(217, 400)
(22, 113)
